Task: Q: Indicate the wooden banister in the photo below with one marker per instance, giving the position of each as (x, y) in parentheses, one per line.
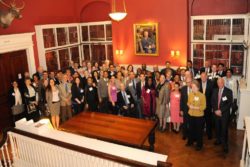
(4, 136)
(83, 150)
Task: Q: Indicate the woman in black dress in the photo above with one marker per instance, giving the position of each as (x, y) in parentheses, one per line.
(31, 101)
(91, 96)
(77, 95)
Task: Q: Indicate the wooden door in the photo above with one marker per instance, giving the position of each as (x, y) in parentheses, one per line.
(11, 64)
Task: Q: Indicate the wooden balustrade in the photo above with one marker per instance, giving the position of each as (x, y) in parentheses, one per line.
(5, 157)
(31, 150)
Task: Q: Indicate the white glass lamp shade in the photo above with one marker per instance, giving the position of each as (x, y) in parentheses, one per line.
(118, 16)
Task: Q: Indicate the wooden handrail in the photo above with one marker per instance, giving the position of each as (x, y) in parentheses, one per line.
(5, 136)
(83, 150)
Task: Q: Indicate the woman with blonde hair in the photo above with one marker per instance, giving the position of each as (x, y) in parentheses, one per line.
(197, 105)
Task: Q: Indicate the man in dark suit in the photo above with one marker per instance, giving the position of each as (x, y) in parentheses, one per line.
(144, 69)
(103, 93)
(185, 90)
(191, 68)
(139, 87)
(125, 102)
(131, 86)
(221, 71)
(112, 71)
(206, 68)
(222, 99)
(74, 68)
(206, 87)
(168, 67)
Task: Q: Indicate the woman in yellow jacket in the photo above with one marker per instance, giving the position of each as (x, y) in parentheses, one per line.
(197, 105)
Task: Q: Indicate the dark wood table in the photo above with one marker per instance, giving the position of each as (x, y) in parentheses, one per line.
(117, 129)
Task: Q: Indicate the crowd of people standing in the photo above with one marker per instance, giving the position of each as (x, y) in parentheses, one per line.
(187, 98)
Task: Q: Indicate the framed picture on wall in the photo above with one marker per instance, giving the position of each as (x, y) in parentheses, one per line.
(146, 39)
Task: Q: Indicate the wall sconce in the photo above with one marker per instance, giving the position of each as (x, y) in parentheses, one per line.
(175, 53)
(119, 52)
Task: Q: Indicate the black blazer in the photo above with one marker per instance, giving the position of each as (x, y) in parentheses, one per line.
(111, 74)
(203, 69)
(26, 95)
(208, 94)
(194, 71)
(138, 89)
(12, 99)
(184, 99)
(77, 92)
(121, 101)
(225, 104)
(91, 97)
(221, 74)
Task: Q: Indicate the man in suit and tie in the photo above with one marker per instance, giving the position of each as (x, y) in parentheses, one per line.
(213, 77)
(112, 71)
(139, 87)
(222, 99)
(221, 71)
(206, 87)
(125, 102)
(185, 90)
(191, 68)
(65, 96)
(131, 86)
(103, 92)
(206, 68)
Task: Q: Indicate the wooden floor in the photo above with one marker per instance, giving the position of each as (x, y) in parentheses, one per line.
(179, 155)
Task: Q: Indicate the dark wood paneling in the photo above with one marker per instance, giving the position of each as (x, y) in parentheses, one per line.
(11, 64)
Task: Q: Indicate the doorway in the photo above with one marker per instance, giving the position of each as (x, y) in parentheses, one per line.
(11, 64)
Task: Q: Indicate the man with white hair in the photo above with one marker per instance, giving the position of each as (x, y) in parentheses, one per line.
(222, 99)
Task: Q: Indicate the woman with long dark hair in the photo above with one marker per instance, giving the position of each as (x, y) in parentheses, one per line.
(31, 101)
(53, 102)
(77, 95)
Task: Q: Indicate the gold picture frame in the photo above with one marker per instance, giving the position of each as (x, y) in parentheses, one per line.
(146, 42)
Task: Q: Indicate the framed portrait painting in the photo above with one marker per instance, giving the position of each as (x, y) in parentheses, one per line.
(146, 39)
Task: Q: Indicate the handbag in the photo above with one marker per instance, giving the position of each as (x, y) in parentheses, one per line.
(17, 109)
(47, 111)
(31, 108)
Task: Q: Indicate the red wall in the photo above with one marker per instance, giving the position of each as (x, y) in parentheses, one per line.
(41, 12)
(170, 14)
(172, 19)
(101, 8)
(219, 7)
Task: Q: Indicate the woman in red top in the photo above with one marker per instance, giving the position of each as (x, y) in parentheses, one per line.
(149, 102)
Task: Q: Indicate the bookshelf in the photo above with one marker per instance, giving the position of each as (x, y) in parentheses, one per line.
(58, 44)
(220, 39)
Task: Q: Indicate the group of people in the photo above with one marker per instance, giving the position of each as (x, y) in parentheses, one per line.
(186, 97)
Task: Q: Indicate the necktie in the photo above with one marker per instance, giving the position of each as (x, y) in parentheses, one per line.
(66, 88)
(219, 98)
(125, 98)
(134, 84)
(204, 87)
